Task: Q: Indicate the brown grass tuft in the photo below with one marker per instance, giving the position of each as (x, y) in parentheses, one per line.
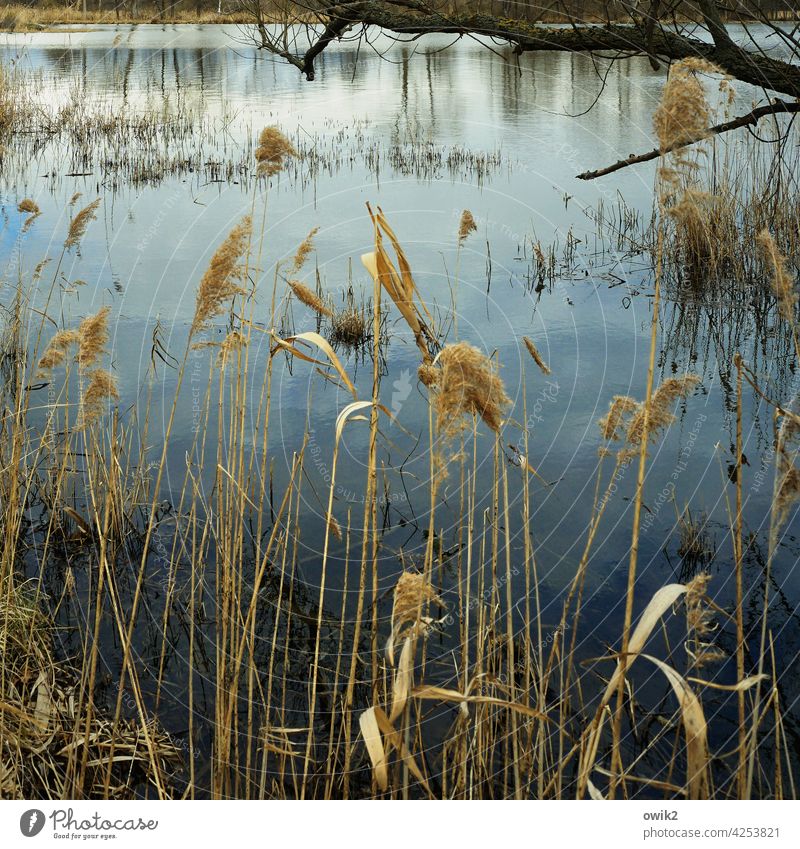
(469, 385)
(273, 148)
(349, 327)
(219, 283)
(537, 358)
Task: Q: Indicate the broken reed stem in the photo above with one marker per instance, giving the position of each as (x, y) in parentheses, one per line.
(741, 778)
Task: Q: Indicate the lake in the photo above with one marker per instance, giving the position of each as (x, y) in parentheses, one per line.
(423, 130)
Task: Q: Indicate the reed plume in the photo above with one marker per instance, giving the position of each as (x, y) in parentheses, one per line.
(219, 283)
(411, 593)
(613, 424)
(468, 385)
(428, 374)
(234, 341)
(787, 475)
(700, 623)
(78, 225)
(93, 336)
(101, 388)
(537, 358)
(466, 226)
(309, 298)
(29, 206)
(306, 246)
(273, 148)
(661, 415)
(782, 279)
(683, 114)
(56, 351)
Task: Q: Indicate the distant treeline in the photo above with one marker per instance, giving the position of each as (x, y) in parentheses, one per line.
(581, 10)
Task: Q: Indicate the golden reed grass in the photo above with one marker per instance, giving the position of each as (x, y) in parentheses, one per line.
(93, 337)
(782, 279)
(466, 226)
(309, 298)
(101, 388)
(468, 386)
(303, 251)
(272, 151)
(29, 206)
(537, 357)
(78, 225)
(219, 284)
(57, 349)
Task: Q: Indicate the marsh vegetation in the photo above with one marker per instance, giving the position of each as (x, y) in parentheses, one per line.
(375, 524)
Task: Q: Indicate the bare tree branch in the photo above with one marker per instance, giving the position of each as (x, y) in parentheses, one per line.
(777, 107)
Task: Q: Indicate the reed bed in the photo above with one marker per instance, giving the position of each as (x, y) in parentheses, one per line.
(338, 688)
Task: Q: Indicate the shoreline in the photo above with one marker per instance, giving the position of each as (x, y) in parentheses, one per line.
(22, 19)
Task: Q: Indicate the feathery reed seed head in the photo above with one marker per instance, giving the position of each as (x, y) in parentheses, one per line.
(468, 385)
(782, 279)
(613, 423)
(78, 225)
(28, 205)
(466, 226)
(683, 113)
(537, 358)
(306, 246)
(101, 388)
(273, 148)
(309, 298)
(219, 283)
(93, 333)
(56, 351)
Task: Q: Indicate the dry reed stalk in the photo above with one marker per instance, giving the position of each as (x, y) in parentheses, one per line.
(309, 298)
(783, 283)
(272, 151)
(537, 357)
(738, 553)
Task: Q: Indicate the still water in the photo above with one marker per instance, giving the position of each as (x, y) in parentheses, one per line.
(424, 133)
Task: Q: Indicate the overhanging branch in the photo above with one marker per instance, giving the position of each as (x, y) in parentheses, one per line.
(777, 107)
(410, 17)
